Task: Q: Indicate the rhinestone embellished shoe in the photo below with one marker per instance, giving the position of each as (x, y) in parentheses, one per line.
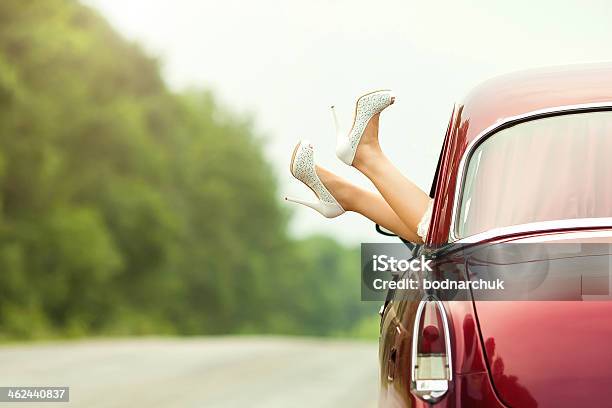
(303, 168)
(366, 107)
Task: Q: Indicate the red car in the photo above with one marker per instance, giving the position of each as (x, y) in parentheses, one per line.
(527, 158)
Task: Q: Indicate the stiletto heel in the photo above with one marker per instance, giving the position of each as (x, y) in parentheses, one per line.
(315, 205)
(336, 122)
(366, 107)
(303, 168)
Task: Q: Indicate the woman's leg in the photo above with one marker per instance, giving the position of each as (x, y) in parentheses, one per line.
(407, 200)
(366, 203)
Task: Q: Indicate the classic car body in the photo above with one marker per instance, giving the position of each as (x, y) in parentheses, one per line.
(542, 142)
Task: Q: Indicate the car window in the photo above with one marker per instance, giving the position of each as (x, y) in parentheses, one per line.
(554, 168)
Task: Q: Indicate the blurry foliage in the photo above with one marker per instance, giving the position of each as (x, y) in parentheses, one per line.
(129, 209)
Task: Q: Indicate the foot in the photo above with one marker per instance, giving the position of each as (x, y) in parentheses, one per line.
(364, 130)
(303, 169)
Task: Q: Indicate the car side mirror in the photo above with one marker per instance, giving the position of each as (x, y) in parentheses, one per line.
(387, 233)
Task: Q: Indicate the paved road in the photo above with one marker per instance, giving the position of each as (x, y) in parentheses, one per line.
(200, 372)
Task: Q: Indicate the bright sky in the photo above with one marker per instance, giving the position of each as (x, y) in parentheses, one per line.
(286, 62)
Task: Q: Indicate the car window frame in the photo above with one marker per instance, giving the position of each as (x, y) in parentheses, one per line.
(506, 123)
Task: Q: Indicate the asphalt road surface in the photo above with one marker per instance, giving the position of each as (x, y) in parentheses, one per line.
(198, 372)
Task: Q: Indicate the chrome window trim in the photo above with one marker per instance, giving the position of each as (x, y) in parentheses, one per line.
(493, 129)
(587, 236)
(540, 226)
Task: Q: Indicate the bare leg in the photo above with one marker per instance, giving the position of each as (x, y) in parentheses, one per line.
(407, 200)
(366, 203)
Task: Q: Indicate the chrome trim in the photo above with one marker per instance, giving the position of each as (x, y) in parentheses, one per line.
(537, 227)
(588, 236)
(430, 390)
(503, 124)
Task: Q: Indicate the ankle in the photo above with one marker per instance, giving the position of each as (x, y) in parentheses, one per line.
(368, 156)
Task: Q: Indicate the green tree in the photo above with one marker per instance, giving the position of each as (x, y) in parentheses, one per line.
(128, 208)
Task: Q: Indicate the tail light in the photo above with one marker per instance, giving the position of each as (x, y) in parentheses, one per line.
(431, 353)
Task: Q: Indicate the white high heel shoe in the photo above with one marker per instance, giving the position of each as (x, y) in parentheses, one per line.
(367, 106)
(303, 168)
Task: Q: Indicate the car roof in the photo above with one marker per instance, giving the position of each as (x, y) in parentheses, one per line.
(521, 92)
